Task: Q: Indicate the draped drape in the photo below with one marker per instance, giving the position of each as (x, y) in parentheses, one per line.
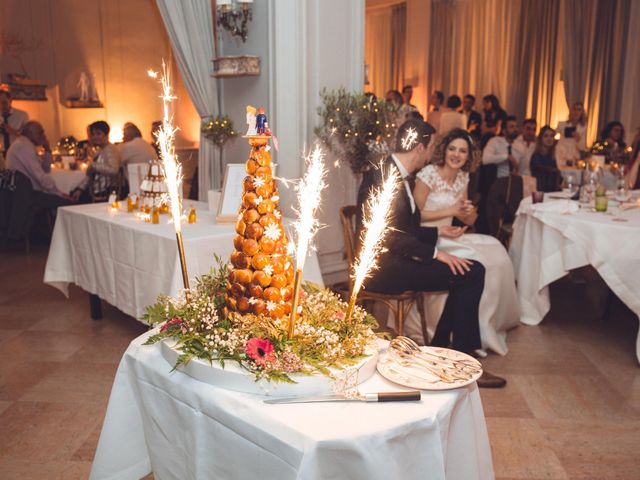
(385, 48)
(189, 25)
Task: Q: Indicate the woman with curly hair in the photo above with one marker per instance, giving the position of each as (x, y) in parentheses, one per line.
(441, 195)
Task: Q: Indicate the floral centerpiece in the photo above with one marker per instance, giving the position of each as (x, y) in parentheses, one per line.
(219, 130)
(355, 126)
(203, 328)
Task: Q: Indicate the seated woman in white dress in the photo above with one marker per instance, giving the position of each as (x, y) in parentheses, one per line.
(441, 194)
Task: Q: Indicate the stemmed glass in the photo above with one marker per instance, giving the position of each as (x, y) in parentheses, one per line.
(571, 184)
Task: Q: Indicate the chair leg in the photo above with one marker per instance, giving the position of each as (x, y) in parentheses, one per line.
(95, 307)
(423, 318)
(608, 305)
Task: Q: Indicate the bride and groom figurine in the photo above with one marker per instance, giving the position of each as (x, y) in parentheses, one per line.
(257, 122)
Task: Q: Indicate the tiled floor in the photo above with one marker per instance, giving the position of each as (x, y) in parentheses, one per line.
(571, 408)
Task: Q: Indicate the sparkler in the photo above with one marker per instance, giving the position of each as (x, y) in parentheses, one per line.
(409, 140)
(309, 192)
(377, 213)
(172, 169)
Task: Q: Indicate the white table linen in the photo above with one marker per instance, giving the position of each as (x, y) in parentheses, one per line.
(548, 242)
(185, 429)
(128, 262)
(67, 180)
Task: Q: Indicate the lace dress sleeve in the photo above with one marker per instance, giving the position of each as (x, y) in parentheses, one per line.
(426, 175)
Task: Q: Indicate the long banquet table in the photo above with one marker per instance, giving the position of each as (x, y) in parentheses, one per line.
(548, 243)
(128, 262)
(180, 428)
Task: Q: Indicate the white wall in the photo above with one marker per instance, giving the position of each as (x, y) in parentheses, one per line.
(116, 40)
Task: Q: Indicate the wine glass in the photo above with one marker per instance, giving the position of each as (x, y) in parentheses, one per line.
(622, 192)
(571, 184)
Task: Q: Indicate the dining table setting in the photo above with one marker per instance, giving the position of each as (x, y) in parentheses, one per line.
(555, 233)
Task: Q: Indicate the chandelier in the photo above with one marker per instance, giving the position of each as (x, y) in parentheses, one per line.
(233, 16)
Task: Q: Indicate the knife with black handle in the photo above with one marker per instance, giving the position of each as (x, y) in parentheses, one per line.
(410, 396)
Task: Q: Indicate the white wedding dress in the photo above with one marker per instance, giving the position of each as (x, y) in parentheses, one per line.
(499, 307)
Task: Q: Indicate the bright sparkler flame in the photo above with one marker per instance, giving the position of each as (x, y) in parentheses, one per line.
(409, 140)
(166, 134)
(152, 73)
(377, 213)
(309, 194)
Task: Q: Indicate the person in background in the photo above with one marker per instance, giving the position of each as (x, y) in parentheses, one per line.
(155, 127)
(576, 126)
(526, 144)
(407, 93)
(394, 97)
(543, 161)
(451, 118)
(104, 170)
(133, 148)
(435, 102)
(493, 121)
(500, 150)
(632, 177)
(23, 157)
(474, 119)
(12, 121)
(613, 134)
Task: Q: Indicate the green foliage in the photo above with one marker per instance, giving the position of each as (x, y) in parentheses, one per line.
(219, 129)
(355, 126)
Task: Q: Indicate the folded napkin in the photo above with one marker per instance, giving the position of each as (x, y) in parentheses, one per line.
(556, 206)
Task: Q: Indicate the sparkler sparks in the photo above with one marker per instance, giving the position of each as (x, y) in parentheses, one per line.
(409, 140)
(377, 213)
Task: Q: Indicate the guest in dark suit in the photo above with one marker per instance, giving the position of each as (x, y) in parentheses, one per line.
(474, 119)
(413, 261)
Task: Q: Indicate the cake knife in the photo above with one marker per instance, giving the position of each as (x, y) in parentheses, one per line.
(411, 396)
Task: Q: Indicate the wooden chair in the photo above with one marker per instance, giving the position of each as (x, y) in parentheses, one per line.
(502, 203)
(400, 304)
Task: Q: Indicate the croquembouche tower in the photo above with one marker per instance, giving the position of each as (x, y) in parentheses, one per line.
(261, 274)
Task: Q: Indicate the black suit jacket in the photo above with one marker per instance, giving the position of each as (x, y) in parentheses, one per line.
(406, 238)
(475, 117)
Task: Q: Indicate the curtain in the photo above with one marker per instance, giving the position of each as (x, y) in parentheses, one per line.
(189, 24)
(398, 40)
(595, 39)
(378, 50)
(629, 112)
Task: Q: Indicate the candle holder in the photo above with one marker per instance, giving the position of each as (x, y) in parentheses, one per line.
(234, 17)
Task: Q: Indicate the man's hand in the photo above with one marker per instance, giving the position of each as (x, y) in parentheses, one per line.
(451, 231)
(514, 164)
(456, 264)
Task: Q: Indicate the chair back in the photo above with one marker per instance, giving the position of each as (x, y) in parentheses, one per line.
(503, 200)
(16, 205)
(548, 181)
(348, 218)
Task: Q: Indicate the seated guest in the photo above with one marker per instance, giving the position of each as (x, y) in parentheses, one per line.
(576, 126)
(451, 118)
(526, 143)
(12, 121)
(403, 109)
(407, 94)
(134, 149)
(155, 128)
(500, 150)
(436, 101)
(474, 119)
(413, 261)
(23, 157)
(632, 178)
(543, 160)
(104, 169)
(493, 121)
(613, 135)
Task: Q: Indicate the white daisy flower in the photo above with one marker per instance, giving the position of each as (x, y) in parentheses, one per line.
(258, 200)
(271, 306)
(252, 300)
(258, 182)
(272, 231)
(275, 198)
(277, 214)
(268, 269)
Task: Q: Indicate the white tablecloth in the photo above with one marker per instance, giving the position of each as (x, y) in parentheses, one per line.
(547, 244)
(67, 180)
(128, 262)
(184, 429)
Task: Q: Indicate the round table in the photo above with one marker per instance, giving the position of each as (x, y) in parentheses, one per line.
(67, 180)
(554, 237)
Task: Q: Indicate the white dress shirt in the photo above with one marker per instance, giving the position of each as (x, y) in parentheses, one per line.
(135, 151)
(526, 151)
(497, 152)
(17, 119)
(405, 174)
(22, 156)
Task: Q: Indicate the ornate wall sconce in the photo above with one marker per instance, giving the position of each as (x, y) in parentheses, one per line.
(234, 16)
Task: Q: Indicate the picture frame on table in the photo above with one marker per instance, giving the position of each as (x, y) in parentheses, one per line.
(231, 195)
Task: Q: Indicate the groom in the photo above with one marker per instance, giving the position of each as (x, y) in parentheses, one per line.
(413, 261)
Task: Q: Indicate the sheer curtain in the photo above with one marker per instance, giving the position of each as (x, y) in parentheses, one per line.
(398, 41)
(189, 24)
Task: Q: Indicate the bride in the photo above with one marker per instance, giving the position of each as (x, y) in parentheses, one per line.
(441, 194)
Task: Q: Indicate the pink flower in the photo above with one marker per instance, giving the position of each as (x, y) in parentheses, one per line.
(340, 315)
(170, 323)
(261, 351)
